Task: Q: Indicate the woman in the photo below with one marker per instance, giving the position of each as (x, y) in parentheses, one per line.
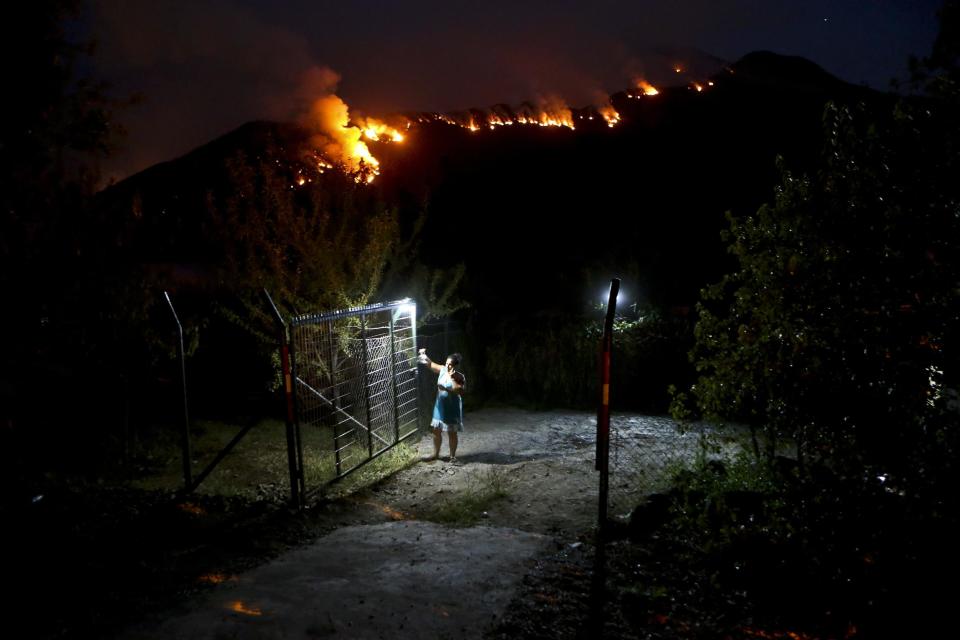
(448, 409)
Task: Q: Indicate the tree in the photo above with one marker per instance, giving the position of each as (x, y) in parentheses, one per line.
(56, 125)
(938, 75)
(54, 128)
(322, 245)
(838, 329)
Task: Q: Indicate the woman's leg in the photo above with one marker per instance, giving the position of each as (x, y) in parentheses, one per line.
(437, 439)
(452, 435)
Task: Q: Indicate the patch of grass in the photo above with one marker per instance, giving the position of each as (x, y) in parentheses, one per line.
(257, 468)
(396, 459)
(467, 508)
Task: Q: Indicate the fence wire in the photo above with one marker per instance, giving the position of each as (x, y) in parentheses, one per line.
(645, 451)
(355, 380)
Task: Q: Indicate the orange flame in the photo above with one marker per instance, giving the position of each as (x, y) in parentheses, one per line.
(553, 112)
(336, 140)
(698, 87)
(647, 88)
(390, 512)
(548, 112)
(378, 131)
(320, 165)
(610, 115)
(240, 607)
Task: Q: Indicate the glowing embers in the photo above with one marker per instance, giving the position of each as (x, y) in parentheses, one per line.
(239, 606)
(216, 578)
(318, 163)
(192, 509)
(387, 510)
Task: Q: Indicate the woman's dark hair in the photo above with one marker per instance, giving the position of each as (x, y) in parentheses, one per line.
(455, 357)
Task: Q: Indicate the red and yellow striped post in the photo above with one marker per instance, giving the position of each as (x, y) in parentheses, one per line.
(294, 455)
(603, 414)
(287, 379)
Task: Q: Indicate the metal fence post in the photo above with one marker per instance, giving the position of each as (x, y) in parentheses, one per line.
(185, 436)
(298, 443)
(296, 477)
(393, 380)
(366, 382)
(603, 414)
(335, 391)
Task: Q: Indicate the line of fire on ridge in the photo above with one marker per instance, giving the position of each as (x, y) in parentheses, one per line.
(347, 141)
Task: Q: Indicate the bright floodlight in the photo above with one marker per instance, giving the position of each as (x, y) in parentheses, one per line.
(622, 298)
(408, 308)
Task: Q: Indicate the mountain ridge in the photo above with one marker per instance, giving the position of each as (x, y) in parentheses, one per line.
(650, 191)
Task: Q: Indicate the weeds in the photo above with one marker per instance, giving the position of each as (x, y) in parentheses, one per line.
(468, 508)
(399, 457)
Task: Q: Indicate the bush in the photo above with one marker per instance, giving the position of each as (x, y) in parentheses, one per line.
(553, 360)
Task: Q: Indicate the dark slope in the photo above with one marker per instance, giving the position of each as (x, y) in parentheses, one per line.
(542, 215)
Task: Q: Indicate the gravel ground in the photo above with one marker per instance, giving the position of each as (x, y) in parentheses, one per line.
(384, 569)
(500, 545)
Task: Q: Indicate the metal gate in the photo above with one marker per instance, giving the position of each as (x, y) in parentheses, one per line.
(354, 383)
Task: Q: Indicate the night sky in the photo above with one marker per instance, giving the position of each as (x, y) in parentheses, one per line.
(203, 68)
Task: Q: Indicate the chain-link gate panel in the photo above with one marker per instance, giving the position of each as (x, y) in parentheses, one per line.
(355, 379)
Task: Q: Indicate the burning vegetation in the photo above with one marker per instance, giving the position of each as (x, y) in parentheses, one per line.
(645, 87)
(339, 140)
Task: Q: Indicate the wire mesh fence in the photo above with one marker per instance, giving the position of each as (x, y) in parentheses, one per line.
(645, 452)
(355, 381)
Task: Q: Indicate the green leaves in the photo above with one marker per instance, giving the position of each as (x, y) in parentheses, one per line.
(821, 335)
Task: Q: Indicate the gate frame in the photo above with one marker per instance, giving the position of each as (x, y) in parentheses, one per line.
(287, 348)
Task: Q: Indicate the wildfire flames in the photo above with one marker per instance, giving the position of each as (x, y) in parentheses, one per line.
(548, 112)
(610, 115)
(378, 130)
(241, 607)
(647, 88)
(338, 141)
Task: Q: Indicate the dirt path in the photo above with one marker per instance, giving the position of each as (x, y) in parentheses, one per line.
(544, 462)
(524, 485)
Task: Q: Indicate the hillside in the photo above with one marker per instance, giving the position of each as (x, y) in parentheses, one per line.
(532, 210)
